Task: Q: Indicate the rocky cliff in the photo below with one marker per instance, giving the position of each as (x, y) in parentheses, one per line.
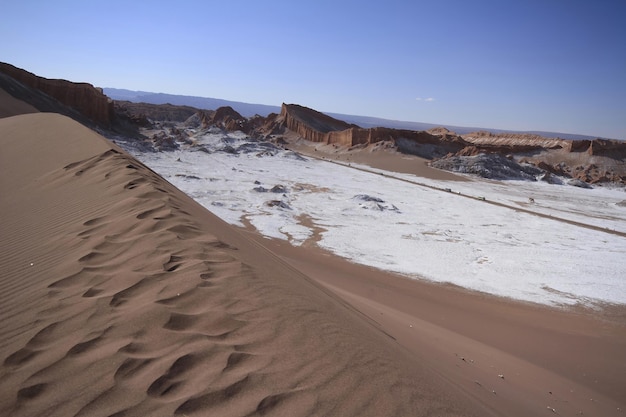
(524, 156)
(83, 97)
(590, 161)
(512, 142)
(310, 124)
(517, 143)
(319, 127)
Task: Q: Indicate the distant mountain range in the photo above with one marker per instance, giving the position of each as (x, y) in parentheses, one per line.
(249, 110)
(205, 103)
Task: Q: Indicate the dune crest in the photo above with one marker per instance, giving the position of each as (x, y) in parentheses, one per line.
(121, 296)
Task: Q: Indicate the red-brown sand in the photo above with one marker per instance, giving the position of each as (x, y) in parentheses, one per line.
(571, 360)
(374, 156)
(10, 106)
(121, 296)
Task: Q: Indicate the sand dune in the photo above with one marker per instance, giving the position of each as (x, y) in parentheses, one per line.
(10, 106)
(119, 295)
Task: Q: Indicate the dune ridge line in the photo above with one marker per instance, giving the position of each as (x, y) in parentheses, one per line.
(122, 296)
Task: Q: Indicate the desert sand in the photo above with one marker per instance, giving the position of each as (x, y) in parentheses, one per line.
(119, 295)
(374, 156)
(10, 106)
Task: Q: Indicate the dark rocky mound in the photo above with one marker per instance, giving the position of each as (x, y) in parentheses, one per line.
(143, 113)
(578, 183)
(374, 203)
(278, 189)
(492, 166)
(279, 204)
(365, 197)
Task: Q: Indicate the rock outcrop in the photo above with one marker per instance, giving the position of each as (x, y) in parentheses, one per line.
(520, 143)
(225, 118)
(319, 127)
(492, 166)
(85, 98)
(607, 147)
(32, 100)
(312, 125)
(511, 142)
(490, 155)
(142, 113)
(496, 156)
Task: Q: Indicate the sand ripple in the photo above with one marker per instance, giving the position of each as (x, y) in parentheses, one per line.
(119, 298)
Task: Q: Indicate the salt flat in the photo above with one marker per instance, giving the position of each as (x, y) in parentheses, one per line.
(382, 220)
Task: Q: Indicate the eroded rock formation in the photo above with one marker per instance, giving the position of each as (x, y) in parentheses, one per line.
(85, 98)
(310, 124)
(142, 113)
(318, 127)
(502, 155)
(496, 156)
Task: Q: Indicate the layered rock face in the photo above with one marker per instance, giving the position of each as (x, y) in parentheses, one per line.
(607, 147)
(516, 143)
(84, 97)
(318, 127)
(591, 161)
(522, 156)
(511, 142)
(312, 125)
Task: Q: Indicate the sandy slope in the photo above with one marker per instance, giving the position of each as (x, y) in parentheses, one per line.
(573, 361)
(119, 295)
(375, 157)
(10, 106)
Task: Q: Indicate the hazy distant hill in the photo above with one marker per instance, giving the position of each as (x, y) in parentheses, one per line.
(245, 109)
(248, 110)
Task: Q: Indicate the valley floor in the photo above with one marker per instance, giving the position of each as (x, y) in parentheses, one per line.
(515, 357)
(121, 295)
(531, 241)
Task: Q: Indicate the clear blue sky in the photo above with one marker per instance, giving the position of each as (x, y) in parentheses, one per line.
(557, 65)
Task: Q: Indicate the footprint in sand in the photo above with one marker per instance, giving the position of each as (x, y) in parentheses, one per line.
(218, 325)
(31, 392)
(171, 382)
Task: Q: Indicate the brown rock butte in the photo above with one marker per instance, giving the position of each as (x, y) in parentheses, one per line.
(84, 97)
(318, 127)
